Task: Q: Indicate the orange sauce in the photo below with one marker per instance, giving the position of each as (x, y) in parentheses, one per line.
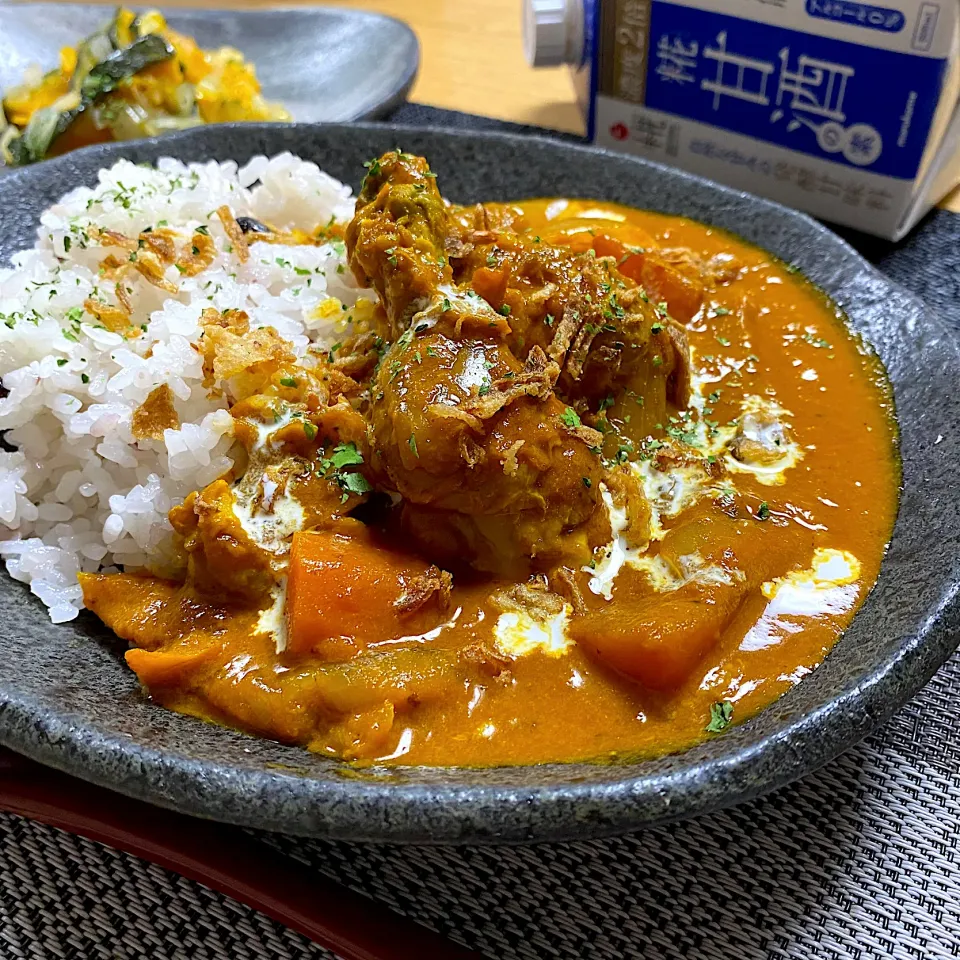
(770, 334)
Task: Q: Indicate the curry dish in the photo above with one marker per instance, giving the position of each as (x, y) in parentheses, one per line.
(592, 482)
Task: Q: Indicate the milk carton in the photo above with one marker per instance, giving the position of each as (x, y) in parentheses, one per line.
(846, 110)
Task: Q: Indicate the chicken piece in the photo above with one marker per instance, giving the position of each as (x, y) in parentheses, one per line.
(494, 468)
(604, 332)
(491, 465)
(762, 440)
(601, 329)
(675, 276)
(222, 558)
(395, 239)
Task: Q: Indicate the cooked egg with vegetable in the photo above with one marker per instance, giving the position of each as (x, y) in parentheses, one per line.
(134, 78)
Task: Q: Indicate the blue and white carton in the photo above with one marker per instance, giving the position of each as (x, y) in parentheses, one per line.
(846, 110)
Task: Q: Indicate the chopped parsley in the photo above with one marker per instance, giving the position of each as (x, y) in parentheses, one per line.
(723, 341)
(413, 446)
(61, 361)
(721, 713)
(721, 312)
(203, 230)
(288, 381)
(688, 436)
(309, 430)
(587, 482)
(570, 418)
(505, 309)
(353, 483)
(763, 511)
(815, 341)
(346, 455)
(84, 378)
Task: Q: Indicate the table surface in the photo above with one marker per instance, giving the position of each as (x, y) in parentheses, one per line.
(472, 60)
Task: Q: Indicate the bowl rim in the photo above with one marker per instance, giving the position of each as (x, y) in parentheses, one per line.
(387, 806)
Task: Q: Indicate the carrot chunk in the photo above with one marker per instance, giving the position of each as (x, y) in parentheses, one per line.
(345, 591)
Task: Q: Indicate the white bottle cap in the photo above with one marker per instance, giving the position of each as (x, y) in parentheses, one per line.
(552, 32)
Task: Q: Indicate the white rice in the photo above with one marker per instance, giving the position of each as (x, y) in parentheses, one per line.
(79, 493)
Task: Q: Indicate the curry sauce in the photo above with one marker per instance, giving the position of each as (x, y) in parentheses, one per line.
(595, 483)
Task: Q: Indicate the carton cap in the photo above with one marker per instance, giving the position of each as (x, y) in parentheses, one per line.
(552, 32)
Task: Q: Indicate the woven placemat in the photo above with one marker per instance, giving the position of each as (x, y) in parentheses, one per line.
(859, 860)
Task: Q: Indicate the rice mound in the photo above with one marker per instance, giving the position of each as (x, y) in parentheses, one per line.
(78, 492)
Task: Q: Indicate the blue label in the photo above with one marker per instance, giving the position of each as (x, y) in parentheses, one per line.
(857, 14)
(854, 105)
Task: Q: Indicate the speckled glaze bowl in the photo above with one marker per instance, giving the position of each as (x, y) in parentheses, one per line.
(66, 698)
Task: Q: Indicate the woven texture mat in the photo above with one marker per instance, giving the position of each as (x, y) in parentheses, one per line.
(860, 860)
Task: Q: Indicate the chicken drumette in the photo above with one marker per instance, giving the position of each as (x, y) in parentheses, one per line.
(496, 340)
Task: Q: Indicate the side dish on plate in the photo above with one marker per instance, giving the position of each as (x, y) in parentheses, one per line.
(134, 78)
(412, 482)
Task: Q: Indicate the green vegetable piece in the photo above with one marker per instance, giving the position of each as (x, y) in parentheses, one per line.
(346, 455)
(121, 64)
(570, 418)
(90, 83)
(721, 714)
(355, 483)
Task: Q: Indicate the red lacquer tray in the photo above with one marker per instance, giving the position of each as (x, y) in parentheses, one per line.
(223, 858)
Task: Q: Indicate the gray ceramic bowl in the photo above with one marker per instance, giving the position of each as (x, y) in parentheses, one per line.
(67, 700)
